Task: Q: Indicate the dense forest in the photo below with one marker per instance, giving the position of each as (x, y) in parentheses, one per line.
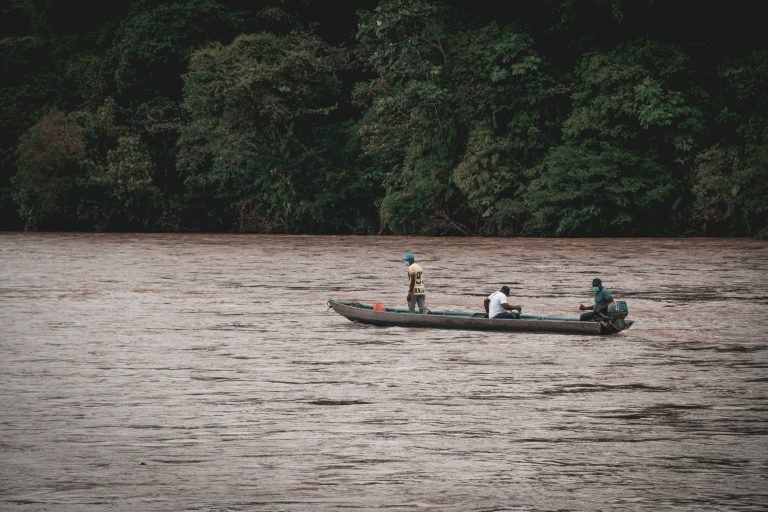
(456, 117)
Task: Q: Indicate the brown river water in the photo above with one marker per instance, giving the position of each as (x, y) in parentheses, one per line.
(205, 372)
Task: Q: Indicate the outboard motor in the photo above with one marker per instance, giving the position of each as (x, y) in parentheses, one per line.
(618, 309)
(613, 321)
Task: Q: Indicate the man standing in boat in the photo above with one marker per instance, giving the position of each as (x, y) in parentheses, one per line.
(497, 306)
(417, 294)
(602, 298)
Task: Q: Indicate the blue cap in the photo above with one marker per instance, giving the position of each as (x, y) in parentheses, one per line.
(409, 256)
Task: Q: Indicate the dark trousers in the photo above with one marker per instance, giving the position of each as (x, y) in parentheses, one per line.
(420, 300)
(508, 314)
(589, 315)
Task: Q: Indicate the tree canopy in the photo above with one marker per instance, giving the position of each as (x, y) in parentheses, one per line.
(458, 117)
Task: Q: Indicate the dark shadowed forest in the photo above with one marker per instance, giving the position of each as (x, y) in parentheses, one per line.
(537, 118)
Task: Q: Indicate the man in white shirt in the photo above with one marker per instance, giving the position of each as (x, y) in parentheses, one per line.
(496, 305)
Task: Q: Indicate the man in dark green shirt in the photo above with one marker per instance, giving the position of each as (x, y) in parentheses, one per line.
(602, 298)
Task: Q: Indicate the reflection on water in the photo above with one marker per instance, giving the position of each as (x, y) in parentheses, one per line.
(204, 372)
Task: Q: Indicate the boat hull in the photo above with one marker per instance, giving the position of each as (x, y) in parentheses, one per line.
(395, 317)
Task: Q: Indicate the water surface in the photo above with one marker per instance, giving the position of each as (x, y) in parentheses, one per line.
(204, 372)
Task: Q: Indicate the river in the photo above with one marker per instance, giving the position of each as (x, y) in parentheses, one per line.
(204, 372)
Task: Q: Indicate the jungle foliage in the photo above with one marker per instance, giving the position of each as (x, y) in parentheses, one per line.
(456, 117)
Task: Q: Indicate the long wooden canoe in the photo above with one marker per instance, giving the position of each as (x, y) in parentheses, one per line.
(366, 314)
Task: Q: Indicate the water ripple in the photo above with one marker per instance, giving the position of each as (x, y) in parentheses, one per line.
(204, 372)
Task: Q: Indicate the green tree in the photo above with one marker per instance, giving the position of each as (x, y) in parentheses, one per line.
(51, 162)
(731, 190)
(608, 191)
(504, 92)
(635, 121)
(742, 99)
(120, 191)
(492, 182)
(83, 171)
(258, 124)
(409, 124)
(566, 117)
(639, 95)
(27, 80)
(51, 59)
(729, 178)
(155, 40)
(149, 54)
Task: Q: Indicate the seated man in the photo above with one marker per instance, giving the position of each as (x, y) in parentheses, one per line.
(496, 305)
(602, 298)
